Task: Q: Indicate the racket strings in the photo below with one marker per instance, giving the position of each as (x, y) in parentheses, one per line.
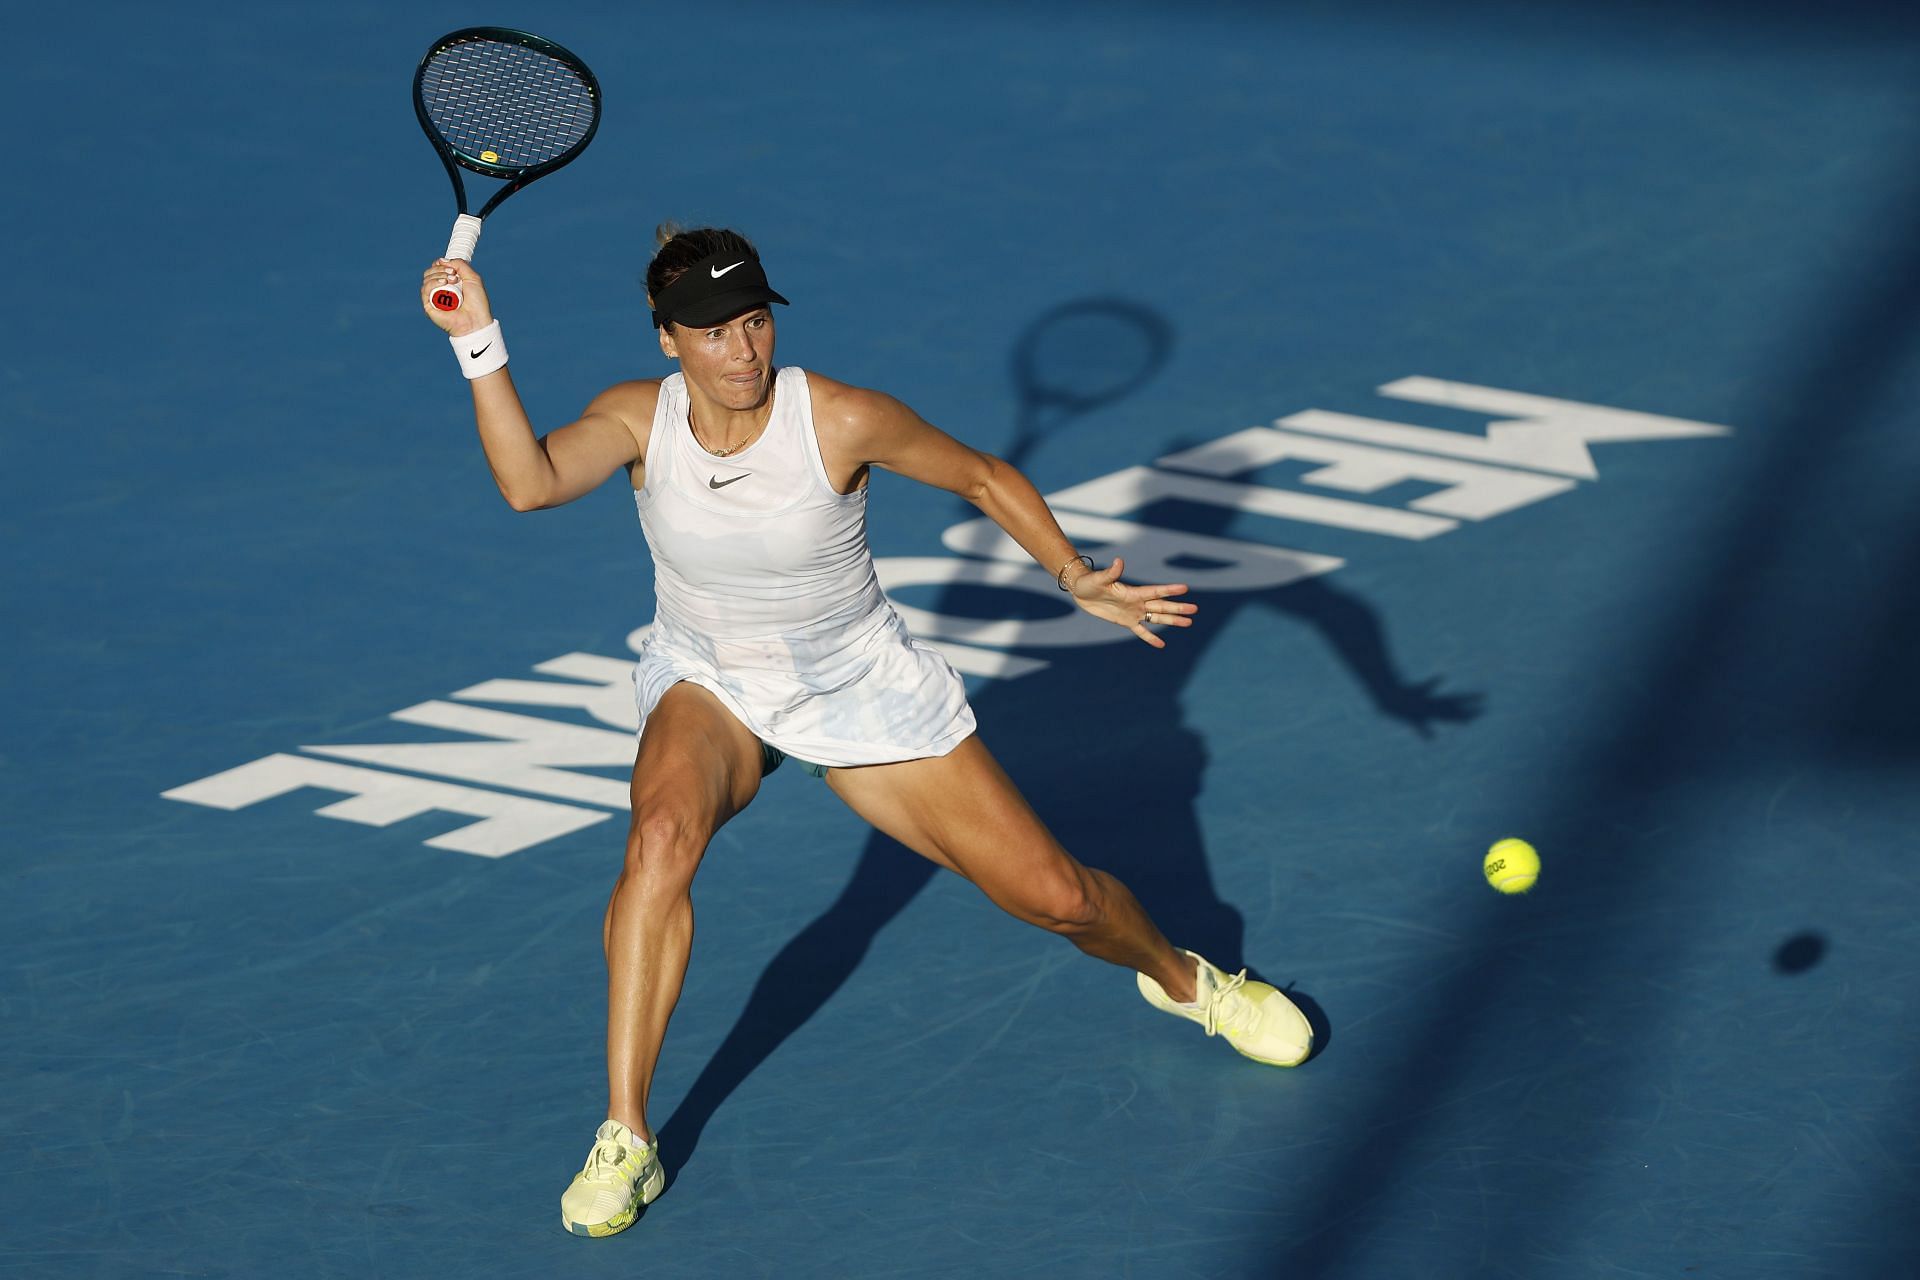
(524, 106)
(1088, 359)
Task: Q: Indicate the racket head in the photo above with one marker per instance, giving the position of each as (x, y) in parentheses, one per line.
(504, 103)
(1080, 356)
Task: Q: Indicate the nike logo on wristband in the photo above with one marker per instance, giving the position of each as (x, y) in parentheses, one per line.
(475, 355)
(720, 271)
(718, 483)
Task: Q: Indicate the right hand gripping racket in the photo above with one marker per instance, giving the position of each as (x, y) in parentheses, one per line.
(505, 104)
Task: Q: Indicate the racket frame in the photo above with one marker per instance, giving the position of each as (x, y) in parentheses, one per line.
(466, 226)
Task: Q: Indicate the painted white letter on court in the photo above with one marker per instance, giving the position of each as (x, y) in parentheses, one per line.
(1125, 492)
(606, 695)
(1071, 628)
(533, 755)
(380, 799)
(1150, 552)
(1473, 490)
(1533, 431)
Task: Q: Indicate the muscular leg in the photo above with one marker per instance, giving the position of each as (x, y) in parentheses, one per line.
(963, 812)
(697, 766)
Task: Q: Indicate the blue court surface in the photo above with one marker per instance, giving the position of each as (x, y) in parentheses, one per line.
(1529, 393)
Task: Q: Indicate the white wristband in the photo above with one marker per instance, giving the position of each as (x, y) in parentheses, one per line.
(480, 352)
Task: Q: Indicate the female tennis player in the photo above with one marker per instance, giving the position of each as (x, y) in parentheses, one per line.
(772, 640)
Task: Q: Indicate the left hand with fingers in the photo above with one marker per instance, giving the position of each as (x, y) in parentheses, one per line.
(1101, 593)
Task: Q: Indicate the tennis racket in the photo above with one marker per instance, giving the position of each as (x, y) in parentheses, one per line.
(505, 104)
(1081, 356)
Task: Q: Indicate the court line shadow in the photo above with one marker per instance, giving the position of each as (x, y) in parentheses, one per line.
(1880, 719)
(1136, 746)
(1695, 704)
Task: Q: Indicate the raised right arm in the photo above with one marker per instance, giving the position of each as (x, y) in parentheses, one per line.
(534, 472)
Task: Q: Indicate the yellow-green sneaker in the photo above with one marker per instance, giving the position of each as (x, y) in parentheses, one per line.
(622, 1176)
(1254, 1017)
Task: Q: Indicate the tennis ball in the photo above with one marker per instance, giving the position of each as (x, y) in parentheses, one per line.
(1511, 866)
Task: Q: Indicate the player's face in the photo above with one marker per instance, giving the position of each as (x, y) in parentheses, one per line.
(731, 362)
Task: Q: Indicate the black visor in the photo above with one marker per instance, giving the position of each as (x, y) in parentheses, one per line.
(715, 289)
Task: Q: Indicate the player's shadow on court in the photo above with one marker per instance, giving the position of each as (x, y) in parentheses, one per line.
(1099, 745)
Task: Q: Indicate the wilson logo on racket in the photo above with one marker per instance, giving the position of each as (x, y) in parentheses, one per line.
(485, 92)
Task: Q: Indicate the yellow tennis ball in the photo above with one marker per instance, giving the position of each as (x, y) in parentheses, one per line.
(1511, 866)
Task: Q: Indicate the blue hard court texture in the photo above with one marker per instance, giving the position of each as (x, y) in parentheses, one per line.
(246, 520)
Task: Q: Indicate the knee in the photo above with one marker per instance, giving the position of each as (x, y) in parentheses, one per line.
(664, 846)
(1068, 905)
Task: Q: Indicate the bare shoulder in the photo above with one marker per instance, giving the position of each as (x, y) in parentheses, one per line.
(635, 399)
(859, 428)
(631, 404)
(846, 413)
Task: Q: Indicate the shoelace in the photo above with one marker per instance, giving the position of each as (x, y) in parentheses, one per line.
(1236, 1018)
(604, 1162)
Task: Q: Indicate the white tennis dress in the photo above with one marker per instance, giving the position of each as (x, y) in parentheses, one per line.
(767, 596)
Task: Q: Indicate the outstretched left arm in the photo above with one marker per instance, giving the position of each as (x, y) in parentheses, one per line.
(876, 430)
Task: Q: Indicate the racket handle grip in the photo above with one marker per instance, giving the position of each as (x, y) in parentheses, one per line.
(466, 234)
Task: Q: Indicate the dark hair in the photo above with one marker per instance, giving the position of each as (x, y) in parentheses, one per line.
(680, 250)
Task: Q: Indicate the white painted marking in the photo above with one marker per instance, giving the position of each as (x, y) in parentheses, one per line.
(1149, 551)
(606, 693)
(1126, 491)
(1071, 628)
(1541, 416)
(380, 799)
(1474, 491)
(1516, 444)
(531, 755)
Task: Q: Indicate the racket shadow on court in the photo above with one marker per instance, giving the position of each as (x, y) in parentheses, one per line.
(1097, 725)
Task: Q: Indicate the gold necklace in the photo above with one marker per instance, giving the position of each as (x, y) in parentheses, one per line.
(730, 449)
